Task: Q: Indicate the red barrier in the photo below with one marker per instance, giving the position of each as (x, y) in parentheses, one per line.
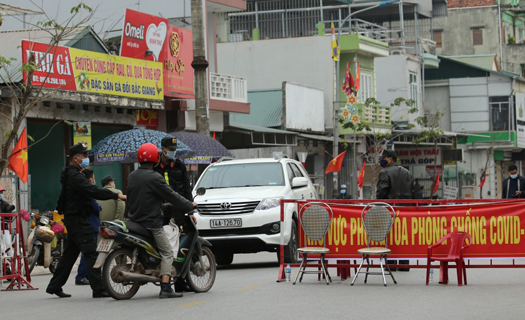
(496, 226)
(13, 253)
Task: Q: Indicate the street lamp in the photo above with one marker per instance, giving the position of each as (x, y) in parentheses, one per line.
(337, 103)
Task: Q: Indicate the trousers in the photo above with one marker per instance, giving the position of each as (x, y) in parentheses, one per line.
(79, 239)
(165, 250)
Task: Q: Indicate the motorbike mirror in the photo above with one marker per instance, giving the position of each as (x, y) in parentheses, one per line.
(201, 191)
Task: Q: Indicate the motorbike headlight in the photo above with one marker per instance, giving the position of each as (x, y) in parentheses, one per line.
(44, 220)
(268, 203)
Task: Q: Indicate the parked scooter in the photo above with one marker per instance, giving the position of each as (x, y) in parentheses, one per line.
(39, 242)
(130, 259)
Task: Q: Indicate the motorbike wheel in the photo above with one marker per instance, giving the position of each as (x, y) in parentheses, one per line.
(32, 258)
(202, 283)
(118, 260)
(53, 265)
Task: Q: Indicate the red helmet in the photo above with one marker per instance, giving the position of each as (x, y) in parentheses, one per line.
(148, 152)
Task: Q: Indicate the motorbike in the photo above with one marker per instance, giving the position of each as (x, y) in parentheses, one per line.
(45, 244)
(39, 242)
(129, 258)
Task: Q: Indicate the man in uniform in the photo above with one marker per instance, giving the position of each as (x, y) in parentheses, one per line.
(76, 205)
(176, 175)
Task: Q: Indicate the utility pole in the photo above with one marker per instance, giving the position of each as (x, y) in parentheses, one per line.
(200, 64)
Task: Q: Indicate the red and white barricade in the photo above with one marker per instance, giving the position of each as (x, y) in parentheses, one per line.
(13, 257)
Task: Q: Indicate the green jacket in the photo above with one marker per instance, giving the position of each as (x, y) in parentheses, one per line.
(112, 209)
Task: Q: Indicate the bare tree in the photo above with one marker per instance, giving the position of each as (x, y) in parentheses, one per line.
(376, 136)
(25, 96)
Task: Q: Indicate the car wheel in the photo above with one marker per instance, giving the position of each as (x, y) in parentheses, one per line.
(224, 258)
(290, 250)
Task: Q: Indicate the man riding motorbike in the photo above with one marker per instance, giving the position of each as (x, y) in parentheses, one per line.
(146, 191)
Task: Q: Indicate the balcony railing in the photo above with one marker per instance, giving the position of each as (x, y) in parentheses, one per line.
(229, 88)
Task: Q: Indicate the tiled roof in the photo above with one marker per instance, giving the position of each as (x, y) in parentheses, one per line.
(470, 3)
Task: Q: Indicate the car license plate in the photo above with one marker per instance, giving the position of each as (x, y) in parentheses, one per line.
(104, 245)
(222, 223)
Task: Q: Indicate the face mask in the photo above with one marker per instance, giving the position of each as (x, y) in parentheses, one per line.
(94, 182)
(85, 163)
(1, 196)
(383, 163)
(343, 191)
(170, 154)
(514, 176)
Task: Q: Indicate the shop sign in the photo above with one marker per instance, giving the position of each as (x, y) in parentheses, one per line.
(87, 71)
(172, 46)
(82, 133)
(419, 156)
(147, 118)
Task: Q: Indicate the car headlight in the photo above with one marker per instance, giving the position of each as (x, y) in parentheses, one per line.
(268, 203)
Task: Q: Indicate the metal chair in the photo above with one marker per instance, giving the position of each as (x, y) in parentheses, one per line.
(315, 220)
(377, 219)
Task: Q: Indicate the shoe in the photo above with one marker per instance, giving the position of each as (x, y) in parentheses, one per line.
(101, 294)
(182, 287)
(82, 282)
(169, 293)
(60, 293)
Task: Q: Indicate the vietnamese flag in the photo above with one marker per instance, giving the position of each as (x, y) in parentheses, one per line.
(361, 177)
(18, 159)
(336, 163)
(436, 182)
(482, 183)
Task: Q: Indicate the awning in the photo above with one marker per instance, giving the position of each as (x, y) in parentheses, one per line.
(266, 136)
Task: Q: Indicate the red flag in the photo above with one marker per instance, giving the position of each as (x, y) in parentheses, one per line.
(436, 182)
(336, 163)
(483, 179)
(214, 136)
(18, 159)
(358, 77)
(361, 177)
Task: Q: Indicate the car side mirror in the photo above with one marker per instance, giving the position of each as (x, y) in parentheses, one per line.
(298, 182)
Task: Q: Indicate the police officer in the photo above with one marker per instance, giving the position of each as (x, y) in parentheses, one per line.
(176, 175)
(76, 205)
(172, 169)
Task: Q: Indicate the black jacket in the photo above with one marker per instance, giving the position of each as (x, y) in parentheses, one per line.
(395, 182)
(146, 192)
(78, 193)
(512, 186)
(178, 177)
(5, 207)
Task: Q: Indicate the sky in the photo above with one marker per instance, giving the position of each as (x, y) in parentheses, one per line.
(109, 14)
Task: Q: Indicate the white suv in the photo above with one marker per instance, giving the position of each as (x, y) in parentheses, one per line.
(240, 211)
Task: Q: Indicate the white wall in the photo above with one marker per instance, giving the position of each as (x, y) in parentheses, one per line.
(437, 99)
(392, 82)
(267, 63)
(303, 107)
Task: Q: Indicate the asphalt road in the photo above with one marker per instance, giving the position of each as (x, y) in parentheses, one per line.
(248, 290)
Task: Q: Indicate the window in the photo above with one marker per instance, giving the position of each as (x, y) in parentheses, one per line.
(477, 36)
(414, 92)
(243, 175)
(366, 87)
(438, 38)
(499, 113)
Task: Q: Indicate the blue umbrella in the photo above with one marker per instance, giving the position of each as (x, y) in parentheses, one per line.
(206, 148)
(123, 146)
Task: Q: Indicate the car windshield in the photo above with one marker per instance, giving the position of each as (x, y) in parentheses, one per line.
(243, 175)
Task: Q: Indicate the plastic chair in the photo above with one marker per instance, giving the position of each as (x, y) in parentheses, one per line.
(455, 254)
(315, 220)
(377, 218)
